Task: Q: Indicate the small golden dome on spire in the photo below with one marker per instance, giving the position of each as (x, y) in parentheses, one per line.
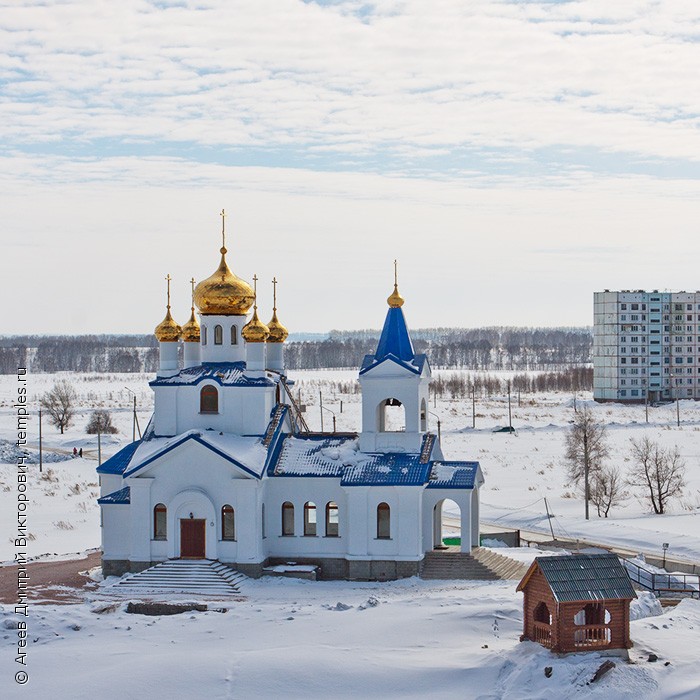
(223, 293)
(255, 331)
(278, 333)
(190, 331)
(395, 300)
(167, 331)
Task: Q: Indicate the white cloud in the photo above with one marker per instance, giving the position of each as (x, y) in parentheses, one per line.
(524, 127)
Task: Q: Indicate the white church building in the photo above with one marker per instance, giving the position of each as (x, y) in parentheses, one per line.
(227, 469)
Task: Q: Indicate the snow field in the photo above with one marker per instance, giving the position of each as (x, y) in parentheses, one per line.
(287, 638)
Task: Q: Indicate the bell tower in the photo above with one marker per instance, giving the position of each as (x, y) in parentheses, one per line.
(394, 383)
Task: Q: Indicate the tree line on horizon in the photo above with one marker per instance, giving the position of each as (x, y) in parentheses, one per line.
(506, 348)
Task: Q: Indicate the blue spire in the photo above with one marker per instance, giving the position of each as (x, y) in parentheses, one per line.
(395, 339)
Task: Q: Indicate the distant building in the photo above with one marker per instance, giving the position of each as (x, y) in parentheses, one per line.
(228, 470)
(646, 346)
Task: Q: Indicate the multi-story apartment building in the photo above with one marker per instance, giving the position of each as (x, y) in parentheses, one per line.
(646, 346)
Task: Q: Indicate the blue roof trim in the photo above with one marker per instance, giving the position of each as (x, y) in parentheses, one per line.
(117, 498)
(274, 449)
(456, 475)
(395, 339)
(416, 365)
(118, 462)
(223, 373)
(197, 438)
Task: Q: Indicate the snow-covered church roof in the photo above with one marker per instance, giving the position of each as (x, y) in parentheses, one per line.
(223, 373)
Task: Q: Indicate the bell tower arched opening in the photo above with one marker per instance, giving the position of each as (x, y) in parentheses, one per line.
(391, 416)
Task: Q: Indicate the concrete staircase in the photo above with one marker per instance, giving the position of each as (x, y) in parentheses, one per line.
(479, 565)
(184, 577)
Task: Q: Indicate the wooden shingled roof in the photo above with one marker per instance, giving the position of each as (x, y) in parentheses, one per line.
(583, 577)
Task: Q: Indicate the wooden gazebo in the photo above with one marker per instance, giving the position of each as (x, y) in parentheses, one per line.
(577, 602)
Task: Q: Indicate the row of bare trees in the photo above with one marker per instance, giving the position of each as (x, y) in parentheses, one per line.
(657, 473)
(478, 348)
(461, 385)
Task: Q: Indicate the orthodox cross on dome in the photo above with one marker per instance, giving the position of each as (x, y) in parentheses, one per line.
(168, 278)
(255, 292)
(192, 283)
(223, 230)
(274, 293)
(395, 300)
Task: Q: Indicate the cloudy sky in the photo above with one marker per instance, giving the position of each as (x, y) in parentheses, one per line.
(514, 157)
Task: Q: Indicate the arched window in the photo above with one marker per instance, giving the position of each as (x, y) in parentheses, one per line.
(234, 335)
(309, 519)
(331, 519)
(287, 518)
(218, 335)
(228, 523)
(160, 516)
(542, 614)
(383, 521)
(423, 416)
(209, 399)
(204, 335)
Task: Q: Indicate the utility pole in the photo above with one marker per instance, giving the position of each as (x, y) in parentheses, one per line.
(549, 518)
(99, 445)
(646, 407)
(320, 401)
(473, 406)
(41, 450)
(510, 413)
(133, 427)
(587, 493)
(678, 411)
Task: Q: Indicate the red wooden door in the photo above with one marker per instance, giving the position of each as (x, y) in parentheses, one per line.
(192, 539)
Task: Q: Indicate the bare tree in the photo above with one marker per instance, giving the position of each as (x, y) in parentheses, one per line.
(586, 449)
(607, 490)
(59, 403)
(100, 422)
(658, 472)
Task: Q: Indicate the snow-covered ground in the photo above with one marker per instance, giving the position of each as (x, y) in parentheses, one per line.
(403, 639)
(520, 470)
(292, 639)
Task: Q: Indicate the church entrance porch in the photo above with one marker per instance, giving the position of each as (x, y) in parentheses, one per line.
(192, 538)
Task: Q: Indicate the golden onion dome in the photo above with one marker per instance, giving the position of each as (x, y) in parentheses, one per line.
(167, 331)
(190, 331)
(223, 293)
(255, 331)
(395, 300)
(278, 333)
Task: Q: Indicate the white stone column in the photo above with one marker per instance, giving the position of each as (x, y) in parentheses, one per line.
(192, 354)
(168, 359)
(255, 358)
(465, 521)
(275, 356)
(357, 523)
(475, 517)
(141, 520)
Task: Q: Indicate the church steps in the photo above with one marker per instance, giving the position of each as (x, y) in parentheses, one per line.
(480, 565)
(183, 577)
